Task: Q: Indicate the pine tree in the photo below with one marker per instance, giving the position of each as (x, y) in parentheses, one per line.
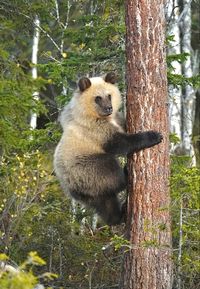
(148, 263)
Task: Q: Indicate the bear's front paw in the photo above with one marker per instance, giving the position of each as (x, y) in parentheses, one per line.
(155, 137)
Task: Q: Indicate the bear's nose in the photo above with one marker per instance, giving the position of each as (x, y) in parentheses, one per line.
(109, 109)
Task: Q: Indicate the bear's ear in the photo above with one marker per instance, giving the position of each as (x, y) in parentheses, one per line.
(111, 77)
(84, 83)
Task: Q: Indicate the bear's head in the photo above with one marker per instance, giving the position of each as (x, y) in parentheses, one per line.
(98, 97)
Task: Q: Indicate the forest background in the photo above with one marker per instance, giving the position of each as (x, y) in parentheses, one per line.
(45, 47)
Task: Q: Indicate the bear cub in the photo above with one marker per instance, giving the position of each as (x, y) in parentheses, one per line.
(85, 159)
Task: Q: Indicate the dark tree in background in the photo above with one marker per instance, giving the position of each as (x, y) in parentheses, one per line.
(147, 265)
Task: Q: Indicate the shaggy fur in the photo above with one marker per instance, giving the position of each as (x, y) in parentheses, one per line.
(85, 159)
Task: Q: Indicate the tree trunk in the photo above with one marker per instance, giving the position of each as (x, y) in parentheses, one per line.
(188, 94)
(196, 129)
(147, 265)
(36, 36)
(175, 92)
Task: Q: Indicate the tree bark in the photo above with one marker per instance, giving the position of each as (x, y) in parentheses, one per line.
(188, 93)
(172, 12)
(147, 265)
(36, 37)
(196, 129)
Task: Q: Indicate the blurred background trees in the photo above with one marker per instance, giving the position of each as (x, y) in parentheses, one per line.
(78, 38)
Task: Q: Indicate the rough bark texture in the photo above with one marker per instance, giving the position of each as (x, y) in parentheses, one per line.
(148, 264)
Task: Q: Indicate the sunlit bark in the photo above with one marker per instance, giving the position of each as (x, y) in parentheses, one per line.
(36, 37)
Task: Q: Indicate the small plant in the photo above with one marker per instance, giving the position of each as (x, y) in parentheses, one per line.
(22, 277)
(119, 242)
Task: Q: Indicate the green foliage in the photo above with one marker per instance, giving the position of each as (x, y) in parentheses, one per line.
(22, 280)
(185, 193)
(38, 217)
(179, 79)
(174, 139)
(26, 181)
(23, 277)
(120, 242)
(16, 103)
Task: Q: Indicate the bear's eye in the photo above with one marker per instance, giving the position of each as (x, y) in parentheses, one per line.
(98, 99)
(109, 96)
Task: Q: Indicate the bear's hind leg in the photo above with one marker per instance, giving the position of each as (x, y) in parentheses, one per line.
(109, 209)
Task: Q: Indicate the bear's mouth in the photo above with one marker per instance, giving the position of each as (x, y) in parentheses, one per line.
(104, 105)
(106, 111)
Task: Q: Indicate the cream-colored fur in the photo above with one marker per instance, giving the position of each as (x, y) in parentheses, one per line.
(78, 119)
(84, 169)
(85, 159)
(81, 106)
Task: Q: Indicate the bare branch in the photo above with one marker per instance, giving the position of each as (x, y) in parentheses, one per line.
(65, 25)
(57, 11)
